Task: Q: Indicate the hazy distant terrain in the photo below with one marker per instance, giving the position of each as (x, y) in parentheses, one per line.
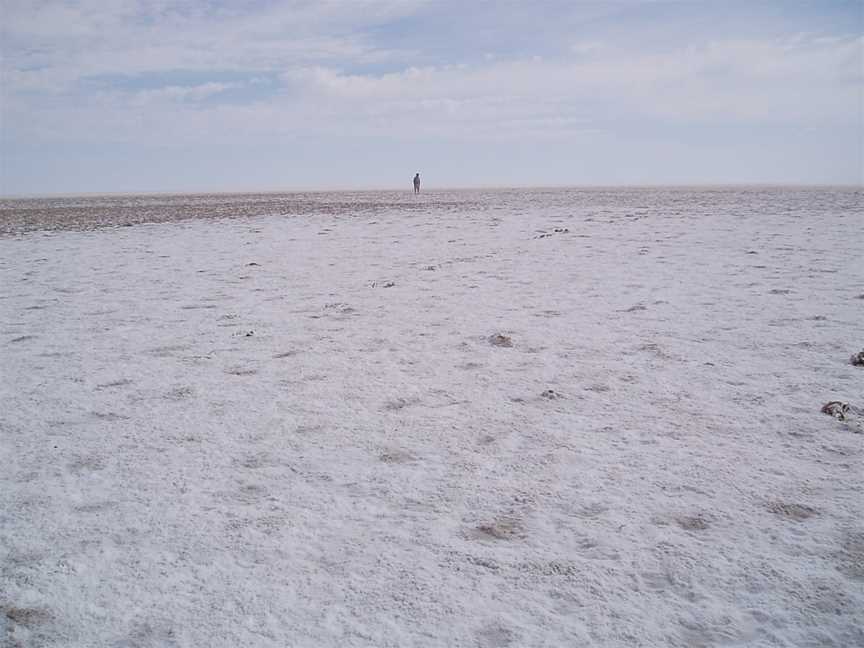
(469, 418)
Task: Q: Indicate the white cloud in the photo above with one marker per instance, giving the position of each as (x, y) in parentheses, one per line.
(586, 47)
(49, 46)
(733, 80)
(181, 93)
(802, 79)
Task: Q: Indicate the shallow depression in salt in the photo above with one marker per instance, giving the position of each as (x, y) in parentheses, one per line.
(525, 418)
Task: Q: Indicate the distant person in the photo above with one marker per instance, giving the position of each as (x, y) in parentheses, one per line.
(417, 183)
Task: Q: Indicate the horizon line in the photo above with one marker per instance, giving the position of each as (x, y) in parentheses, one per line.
(371, 189)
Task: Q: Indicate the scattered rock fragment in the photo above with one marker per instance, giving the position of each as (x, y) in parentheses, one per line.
(506, 528)
(339, 307)
(557, 230)
(395, 457)
(550, 394)
(837, 409)
(500, 340)
(241, 371)
(28, 617)
(857, 359)
(692, 522)
(792, 511)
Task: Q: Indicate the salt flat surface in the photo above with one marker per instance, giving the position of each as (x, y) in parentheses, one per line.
(236, 432)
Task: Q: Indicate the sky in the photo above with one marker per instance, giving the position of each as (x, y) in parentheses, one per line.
(219, 95)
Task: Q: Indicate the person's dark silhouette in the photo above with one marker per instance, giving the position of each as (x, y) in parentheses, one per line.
(417, 183)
